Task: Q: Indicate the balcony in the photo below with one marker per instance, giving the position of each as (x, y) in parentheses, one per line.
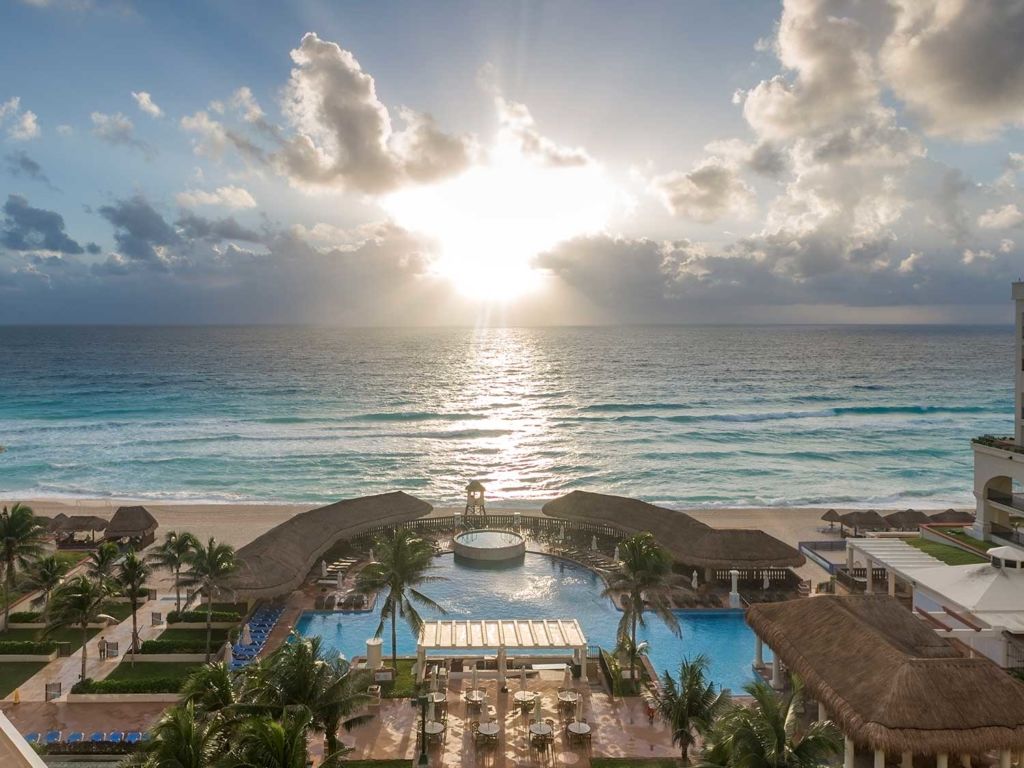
(1012, 501)
(1000, 443)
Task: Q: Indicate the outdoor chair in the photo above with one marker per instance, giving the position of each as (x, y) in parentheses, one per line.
(133, 737)
(75, 737)
(53, 737)
(33, 738)
(115, 737)
(97, 736)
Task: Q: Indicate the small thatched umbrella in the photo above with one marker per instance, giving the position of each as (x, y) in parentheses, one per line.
(864, 519)
(952, 516)
(832, 517)
(907, 520)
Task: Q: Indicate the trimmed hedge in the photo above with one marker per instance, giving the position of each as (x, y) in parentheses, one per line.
(147, 685)
(27, 647)
(174, 617)
(89, 748)
(26, 617)
(174, 646)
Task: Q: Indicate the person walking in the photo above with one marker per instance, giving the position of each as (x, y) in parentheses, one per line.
(103, 648)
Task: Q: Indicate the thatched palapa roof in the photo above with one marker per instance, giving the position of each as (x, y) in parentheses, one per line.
(866, 519)
(79, 524)
(831, 516)
(277, 562)
(688, 540)
(952, 516)
(888, 680)
(907, 518)
(131, 522)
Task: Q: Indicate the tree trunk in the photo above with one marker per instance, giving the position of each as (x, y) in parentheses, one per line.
(8, 584)
(135, 629)
(177, 589)
(331, 734)
(209, 622)
(85, 646)
(394, 644)
(632, 652)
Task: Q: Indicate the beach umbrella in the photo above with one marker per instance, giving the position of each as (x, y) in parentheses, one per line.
(225, 652)
(246, 635)
(536, 709)
(831, 517)
(616, 555)
(593, 543)
(323, 569)
(475, 679)
(693, 579)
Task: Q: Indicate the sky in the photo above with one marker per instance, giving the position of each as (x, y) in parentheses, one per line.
(524, 163)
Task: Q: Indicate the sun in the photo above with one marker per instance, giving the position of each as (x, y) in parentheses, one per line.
(494, 219)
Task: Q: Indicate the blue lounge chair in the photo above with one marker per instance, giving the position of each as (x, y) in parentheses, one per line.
(97, 736)
(74, 738)
(133, 737)
(53, 737)
(115, 737)
(33, 738)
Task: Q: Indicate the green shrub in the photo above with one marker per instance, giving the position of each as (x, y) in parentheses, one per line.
(143, 685)
(27, 647)
(173, 646)
(26, 617)
(175, 617)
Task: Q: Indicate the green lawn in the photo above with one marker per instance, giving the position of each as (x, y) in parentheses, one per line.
(197, 635)
(71, 635)
(405, 682)
(149, 670)
(946, 553)
(120, 611)
(970, 541)
(13, 674)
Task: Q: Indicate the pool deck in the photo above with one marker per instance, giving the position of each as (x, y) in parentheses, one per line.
(620, 729)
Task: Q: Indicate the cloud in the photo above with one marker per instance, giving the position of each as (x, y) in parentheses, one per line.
(34, 229)
(213, 138)
(140, 232)
(65, 130)
(21, 165)
(959, 64)
(145, 102)
(518, 128)
(118, 131)
(22, 125)
(1006, 217)
(194, 227)
(711, 190)
(226, 197)
(343, 132)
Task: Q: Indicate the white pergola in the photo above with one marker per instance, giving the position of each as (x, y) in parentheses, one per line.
(498, 636)
(895, 555)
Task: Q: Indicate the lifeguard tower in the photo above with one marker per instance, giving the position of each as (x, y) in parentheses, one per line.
(475, 499)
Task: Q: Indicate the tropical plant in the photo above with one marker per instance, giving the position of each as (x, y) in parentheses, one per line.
(690, 704)
(209, 565)
(211, 688)
(132, 575)
(183, 739)
(47, 574)
(402, 562)
(261, 742)
(101, 561)
(172, 555)
(642, 582)
(300, 674)
(21, 543)
(768, 734)
(77, 603)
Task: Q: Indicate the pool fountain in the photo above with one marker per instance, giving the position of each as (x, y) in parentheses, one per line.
(489, 546)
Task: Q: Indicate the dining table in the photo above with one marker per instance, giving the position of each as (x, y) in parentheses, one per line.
(489, 729)
(578, 728)
(434, 727)
(541, 729)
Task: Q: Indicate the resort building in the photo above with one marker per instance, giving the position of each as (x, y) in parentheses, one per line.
(999, 461)
(894, 687)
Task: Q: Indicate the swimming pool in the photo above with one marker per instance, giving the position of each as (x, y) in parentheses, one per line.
(542, 587)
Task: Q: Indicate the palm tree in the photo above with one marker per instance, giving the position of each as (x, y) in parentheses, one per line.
(403, 560)
(132, 576)
(184, 739)
(300, 674)
(643, 582)
(102, 561)
(21, 542)
(172, 555)
(211, 688)
(264, 743)
(690, 705)
(47, 574)
(768, 735)
(208, 566)
(77, 603)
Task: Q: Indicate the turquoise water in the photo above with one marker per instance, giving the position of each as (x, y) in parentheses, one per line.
(685, 416)
(547, 588)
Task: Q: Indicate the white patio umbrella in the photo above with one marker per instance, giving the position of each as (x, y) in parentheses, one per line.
(561, 533)
(616, 555)
(593, 542)
(536, 710)
(693, 580)
(323, 569)
(246, 635)
(475, 678)
(767, 582)
(430, 711)
(579, 708)
(341, 580)
(522, 678)
(567, 677)
(433, 681)
(371, 555)
(225, 652)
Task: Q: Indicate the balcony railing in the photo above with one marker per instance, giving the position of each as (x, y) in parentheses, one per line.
(1002, 443)
(1012, 500)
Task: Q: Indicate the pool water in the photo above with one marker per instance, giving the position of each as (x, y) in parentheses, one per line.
(542, 587)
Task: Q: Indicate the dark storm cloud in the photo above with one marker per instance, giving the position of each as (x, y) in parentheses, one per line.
(194, 226)
(140, 232)
(31, 229)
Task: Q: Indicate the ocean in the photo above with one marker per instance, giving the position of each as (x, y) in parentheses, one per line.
(683, 416)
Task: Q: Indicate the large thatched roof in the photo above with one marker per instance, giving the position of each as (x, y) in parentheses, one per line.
(888, 680)
(276, 562)
(131, 522)
(690, 541)
(864, 519)
(952, 516)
